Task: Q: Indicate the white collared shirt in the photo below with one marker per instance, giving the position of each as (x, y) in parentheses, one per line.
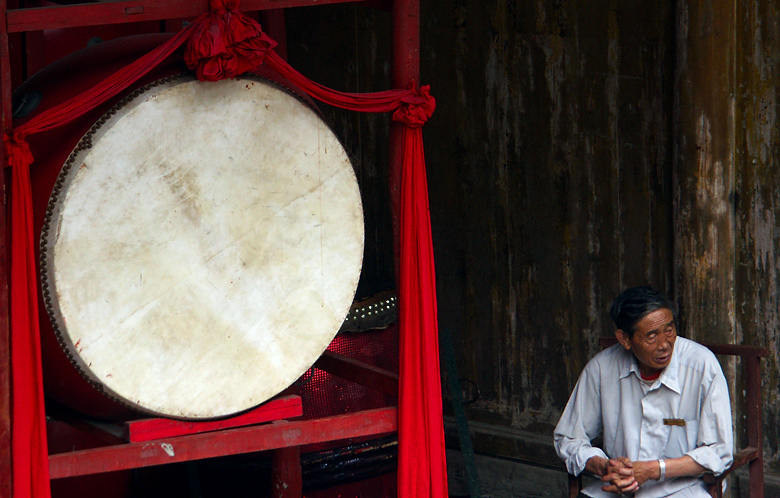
(609, 399)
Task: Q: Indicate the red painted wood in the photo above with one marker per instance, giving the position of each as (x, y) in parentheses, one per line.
(5, 335)
(406, 42)
(160, 428)
(286, 473)
(406, 71)
(361, 373)
(102, 13)
(228, 442)
(754, 421)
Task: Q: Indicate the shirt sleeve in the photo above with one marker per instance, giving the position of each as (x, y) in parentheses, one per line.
(580, 422)
(714, 442)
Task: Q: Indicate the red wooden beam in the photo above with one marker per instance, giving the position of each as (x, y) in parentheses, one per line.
(282, 434)
(361, 373)
(160, 428)
(102, 13)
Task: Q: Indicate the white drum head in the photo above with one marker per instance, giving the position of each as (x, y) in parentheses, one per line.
(202, 246)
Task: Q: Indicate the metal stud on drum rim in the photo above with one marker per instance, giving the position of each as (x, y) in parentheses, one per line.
(201, 246)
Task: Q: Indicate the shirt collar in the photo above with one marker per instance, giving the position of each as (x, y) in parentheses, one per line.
(669, 375)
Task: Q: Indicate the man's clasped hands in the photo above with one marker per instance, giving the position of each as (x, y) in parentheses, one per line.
(625, 476)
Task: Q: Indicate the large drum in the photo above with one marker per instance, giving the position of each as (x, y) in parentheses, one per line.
(200, 248)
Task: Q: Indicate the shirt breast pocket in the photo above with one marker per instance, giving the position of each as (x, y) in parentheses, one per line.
(682, 439)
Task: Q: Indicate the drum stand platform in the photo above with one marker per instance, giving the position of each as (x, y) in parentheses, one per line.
(274, 426)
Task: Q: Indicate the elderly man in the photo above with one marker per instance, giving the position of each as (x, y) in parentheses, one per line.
(660, 402)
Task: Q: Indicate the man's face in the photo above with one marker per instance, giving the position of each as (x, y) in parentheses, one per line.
(653, 341)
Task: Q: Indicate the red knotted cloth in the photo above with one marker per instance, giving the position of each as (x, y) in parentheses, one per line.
(225, 43)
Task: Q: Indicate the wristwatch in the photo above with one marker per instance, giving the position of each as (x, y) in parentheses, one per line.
(662, 472)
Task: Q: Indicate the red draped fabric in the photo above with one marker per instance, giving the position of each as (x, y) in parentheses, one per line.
(422, 468)
(225, 43)
(29, 454)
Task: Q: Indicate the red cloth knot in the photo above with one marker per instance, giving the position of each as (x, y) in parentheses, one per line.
(225, 43)
(416, 107)
(17, 150)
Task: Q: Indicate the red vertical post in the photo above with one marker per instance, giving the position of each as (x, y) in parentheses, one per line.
(286, 473)
(5, 334)
(406, 71)
(754, 421)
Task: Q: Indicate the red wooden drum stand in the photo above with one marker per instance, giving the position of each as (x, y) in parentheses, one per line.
(252, 431)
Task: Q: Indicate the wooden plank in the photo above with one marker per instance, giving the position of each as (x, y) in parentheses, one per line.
(161, 428)
(361, 373)
(282, 434)
(5, 333)
(101, 13)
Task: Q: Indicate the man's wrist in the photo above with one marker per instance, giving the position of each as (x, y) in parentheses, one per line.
(597, 465)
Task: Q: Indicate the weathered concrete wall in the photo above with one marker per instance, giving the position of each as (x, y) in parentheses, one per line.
(577, 148)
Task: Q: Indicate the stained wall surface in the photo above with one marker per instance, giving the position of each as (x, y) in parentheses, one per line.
(577, 148)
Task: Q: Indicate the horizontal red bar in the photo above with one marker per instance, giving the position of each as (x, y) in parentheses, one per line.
(159, 428)
(281, 434)
(92, 14)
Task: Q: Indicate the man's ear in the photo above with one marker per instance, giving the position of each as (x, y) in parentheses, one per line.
(623, 339)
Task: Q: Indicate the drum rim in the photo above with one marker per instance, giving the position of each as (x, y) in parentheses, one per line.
(67, 174)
